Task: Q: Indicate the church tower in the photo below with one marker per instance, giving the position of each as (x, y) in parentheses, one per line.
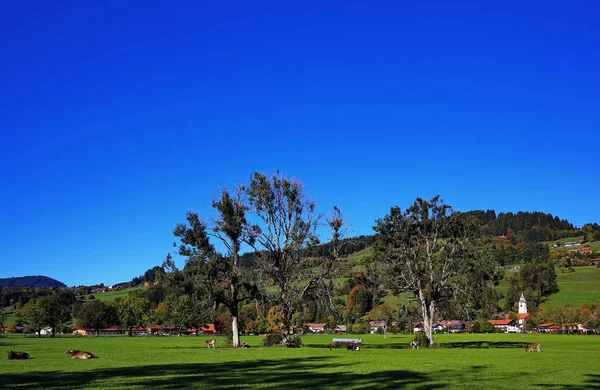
(522, 310)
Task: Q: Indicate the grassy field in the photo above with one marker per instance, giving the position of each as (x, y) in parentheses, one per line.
(576, 288)
(112, 295)
(492, 361)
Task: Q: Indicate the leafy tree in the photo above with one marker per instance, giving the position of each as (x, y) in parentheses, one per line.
(96, 315)
(360, 301)
(83, 290)
(383, 312)
(3, 317)
(49, 310)
(425, 250)
(285, 233)
(133, 311)
(191, 283)
(224, 279)
(31, 315)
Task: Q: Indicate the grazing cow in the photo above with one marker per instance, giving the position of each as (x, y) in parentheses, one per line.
(244, 345)
(14, 355)
(76, 354)
(415, 344)
(533, 347)
(210, 342)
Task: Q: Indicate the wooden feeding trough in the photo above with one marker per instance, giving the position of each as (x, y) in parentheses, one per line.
(350, 344)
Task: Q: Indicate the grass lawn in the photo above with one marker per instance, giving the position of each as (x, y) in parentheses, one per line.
(491, 361)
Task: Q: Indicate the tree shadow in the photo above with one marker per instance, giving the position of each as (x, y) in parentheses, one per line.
(271, 374)
(484, 344)
(592, 382)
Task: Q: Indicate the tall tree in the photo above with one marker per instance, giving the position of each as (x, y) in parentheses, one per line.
(31, 314)
(3, 317)
(96, 315)
(286, 231)
(133, 311)
(48, 310)
(223, 276)
(424, 250)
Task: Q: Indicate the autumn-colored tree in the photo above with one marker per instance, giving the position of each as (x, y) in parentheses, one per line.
(275, 320)
(359, 301)
(509, 233)
(221, 323)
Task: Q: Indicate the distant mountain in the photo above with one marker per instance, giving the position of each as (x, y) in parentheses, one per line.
(31, 281)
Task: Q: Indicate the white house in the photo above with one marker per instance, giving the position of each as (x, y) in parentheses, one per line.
(46, 331)
(316, 328)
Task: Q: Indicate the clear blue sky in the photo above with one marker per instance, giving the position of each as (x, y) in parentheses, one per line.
(118, 117)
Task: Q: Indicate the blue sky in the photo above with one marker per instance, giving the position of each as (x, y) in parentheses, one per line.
(118, 117)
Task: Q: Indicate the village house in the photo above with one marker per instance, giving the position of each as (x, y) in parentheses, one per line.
(46, 331)
(503, 325)
(595, 261)
(316, 328)
(339, 329)
(376, 325)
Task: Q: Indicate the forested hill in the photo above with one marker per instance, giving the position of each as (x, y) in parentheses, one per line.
(527, 226)
(31, 281)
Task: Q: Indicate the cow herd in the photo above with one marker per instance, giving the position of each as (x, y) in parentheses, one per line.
(75, 354)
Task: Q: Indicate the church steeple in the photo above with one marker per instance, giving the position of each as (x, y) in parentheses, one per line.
(522, 305)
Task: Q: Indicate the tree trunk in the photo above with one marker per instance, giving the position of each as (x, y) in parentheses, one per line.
(236, 333)
(285, 325)
(235, 337)
(427, 312)
(130, 332)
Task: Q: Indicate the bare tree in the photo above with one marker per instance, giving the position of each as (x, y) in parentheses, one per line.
(285, 233)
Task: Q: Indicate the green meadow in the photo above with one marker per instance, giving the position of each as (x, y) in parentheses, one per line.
(576, 288)
(474, 361)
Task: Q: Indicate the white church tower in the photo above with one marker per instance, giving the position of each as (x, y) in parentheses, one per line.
(522, 310)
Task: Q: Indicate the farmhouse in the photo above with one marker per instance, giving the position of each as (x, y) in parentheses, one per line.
(316, 328)
(503, 325)
(376, 325)
(595, 261)
(546, 328)
(46, 331)
(208, 329)
(582, 250)
(339, 329)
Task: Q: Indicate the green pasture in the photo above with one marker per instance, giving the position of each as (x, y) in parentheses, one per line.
(112, 295)
(473, 361)
(576, 288)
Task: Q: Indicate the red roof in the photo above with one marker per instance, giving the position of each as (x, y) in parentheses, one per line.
(548, 325)
(523, 315)
(500, 322)
(584, 250)
(209, 328)
(316, 325)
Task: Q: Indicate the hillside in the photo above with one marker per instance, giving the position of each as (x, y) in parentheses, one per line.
(31, 281)
(576, 288)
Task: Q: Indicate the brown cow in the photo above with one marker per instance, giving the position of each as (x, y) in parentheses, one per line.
(14, 355)
(210, 342)
(76, 354)
(533, 347)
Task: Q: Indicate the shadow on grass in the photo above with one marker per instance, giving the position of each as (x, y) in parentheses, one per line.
(592, 382)
(484, 344)
(368, 346)
(265, 373)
